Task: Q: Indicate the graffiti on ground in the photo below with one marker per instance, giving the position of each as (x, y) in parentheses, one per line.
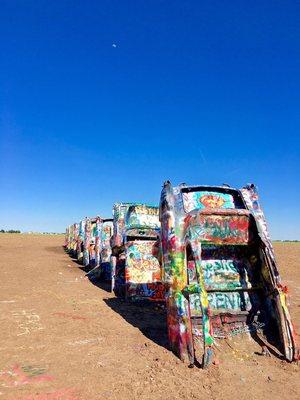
(22, 375)
(85, 341)
(69, 315)
(28, 321)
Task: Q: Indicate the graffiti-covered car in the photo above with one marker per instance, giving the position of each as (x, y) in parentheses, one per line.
(220, 272)
(80, 240)
(91, 229)
(102, 250)
(71, 239)
(137, 272)
(104, 257)
(67, 238)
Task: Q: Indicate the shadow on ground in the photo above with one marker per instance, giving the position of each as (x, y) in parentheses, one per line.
(150, 319)
(55, 249)
(78, 263)
(106, 286)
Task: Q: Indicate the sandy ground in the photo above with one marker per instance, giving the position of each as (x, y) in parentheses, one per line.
(63, 338)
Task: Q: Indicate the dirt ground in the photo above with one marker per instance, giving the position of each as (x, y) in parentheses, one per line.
(63, 338)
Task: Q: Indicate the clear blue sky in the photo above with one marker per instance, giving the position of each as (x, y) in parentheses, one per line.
(101, 101)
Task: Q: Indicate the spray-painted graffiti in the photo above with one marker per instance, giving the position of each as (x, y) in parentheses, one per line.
(88, 243)
(225, 274)
(230, 301)
(142, 266)
(223, 301)
(206, 199)
(106, 235)
(71, 239)
(80, 239)
(22, 375)
(229, 229)
(137, 272)
(69, 315)
(151, 291)
(142, 216)
(216, 262)
(28, 321)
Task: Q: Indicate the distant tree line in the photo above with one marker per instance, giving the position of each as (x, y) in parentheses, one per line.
(9, 231)
(292, 241)
(32, 233)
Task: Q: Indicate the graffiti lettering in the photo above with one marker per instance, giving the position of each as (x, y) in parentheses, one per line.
(28, 321)
(143, 209)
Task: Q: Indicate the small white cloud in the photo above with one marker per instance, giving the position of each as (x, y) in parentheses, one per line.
(114, 45)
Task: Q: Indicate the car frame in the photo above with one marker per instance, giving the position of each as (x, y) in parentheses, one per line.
(136, 270)
(220, 272)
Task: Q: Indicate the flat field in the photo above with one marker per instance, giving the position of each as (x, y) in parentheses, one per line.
(63, 338)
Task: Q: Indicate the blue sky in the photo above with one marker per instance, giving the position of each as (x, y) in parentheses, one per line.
(101, 101)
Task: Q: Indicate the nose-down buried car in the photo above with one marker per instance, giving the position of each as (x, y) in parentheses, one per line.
(220, 272)
(89, 243)
(104, 257)
(80, 239)
(67, 238)
(103, 234)
(137, 271)
(71, 239)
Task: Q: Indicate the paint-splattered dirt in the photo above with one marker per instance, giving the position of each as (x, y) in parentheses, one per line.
(63, 338)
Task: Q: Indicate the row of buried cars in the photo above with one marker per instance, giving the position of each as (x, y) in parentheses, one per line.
(206, 253)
